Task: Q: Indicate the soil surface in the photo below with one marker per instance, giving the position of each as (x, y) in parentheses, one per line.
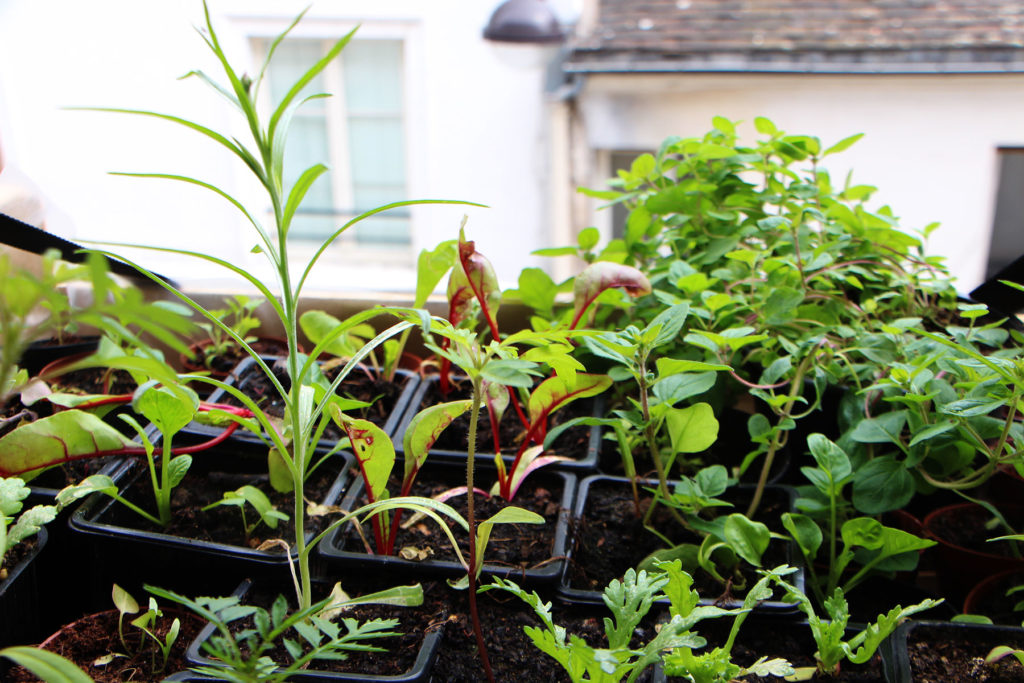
(515, 546)
(221, 365)
(90, 641)
(381, 394)
(946, 654)
(205, 483)
(610, 537)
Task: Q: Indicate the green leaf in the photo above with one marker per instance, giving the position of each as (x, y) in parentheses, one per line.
(885, 428)
(781, 305)
(123, 601)
(48, 666)
(424, 429)
(177, 468)
(556, 392)
(747, 538)
(692, 429)
(537, 290)
(668, 323)
(28, 524)
(830, 458)
(169, 410)
(881, 485)
(431, 267)
(805, 531)
(374, 452)
(764, 126)
(54, 439)
(506, 515)
(842, 145)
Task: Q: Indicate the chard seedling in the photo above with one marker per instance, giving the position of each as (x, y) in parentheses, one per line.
(472, 292)
(169, 410)
(829, 633)
(266, 512)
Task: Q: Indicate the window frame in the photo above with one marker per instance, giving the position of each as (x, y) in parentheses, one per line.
(257, 32)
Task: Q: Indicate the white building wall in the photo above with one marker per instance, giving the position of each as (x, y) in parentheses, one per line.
(477, 124)
(929, 145)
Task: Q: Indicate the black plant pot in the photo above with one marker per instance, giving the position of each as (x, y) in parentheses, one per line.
(41, 353)
(956, 647)
(248, 371)
(20, 599)
(123, 548)
(570, 590)
(586, 440)
(342, 552)
(419, 671)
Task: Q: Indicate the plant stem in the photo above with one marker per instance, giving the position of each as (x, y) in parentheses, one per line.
(780, 437)
(471, 518)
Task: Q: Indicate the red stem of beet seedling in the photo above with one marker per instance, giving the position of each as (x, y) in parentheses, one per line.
(228, 431)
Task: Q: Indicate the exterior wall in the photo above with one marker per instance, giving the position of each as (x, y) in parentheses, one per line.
(929, 146)
(478, 124)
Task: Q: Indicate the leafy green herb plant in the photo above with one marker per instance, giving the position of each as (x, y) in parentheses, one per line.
(834, 647)
(715, 665)
(629, 601)
(238, 315)
(827, 520)
(318, 632)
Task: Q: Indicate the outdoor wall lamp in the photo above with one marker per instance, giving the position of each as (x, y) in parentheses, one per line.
(524, 21)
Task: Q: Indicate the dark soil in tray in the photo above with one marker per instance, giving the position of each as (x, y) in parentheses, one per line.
(222, 364)
(94, 381)
(89, 639)
(382, 395)
(947, 654)
(573, 443)
(16, 554)
(610, 538)
(223, 524)
(518, 545)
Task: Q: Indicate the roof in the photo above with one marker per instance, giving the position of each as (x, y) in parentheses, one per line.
(857, 36)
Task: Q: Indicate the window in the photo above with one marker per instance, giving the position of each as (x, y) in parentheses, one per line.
(621, 161)
(1008, 226)
(359, 131)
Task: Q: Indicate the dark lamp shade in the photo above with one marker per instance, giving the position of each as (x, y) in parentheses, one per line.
(524, 21)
